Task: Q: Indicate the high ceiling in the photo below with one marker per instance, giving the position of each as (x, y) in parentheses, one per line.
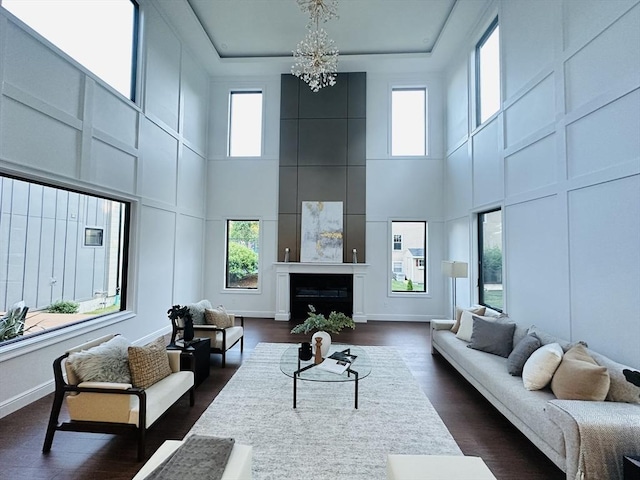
(272, 28)
(241, 35)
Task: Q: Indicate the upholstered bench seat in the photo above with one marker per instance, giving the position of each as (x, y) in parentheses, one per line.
(238, 466)
(437, 467)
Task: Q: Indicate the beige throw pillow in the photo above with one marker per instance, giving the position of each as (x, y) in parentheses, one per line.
(476, 310)
(219, 317)
(149, 364)
(579, 377)
(541, 365)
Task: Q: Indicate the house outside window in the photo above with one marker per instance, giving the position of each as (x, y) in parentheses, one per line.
(408, 261)
(242, 254)
(488, 74)
(101, 36)
(408, 122)
(490, 288)
(245, 124)
(46, 262)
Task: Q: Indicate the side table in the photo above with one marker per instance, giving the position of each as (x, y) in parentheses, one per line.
(198, 352)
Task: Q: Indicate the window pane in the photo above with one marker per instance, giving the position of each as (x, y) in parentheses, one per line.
(242, 253)
(98, 34)
(408, 121)
(245, 124)
(488, 65)
(490, 239)
(407, 262)
(63, 271)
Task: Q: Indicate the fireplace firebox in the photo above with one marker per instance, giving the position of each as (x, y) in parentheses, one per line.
(325, 291)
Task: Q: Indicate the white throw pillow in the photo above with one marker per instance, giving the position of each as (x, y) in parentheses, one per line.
(466, 326)
(542, 364)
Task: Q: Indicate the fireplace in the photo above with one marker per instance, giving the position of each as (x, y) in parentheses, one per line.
(327, 292)
(326, 286)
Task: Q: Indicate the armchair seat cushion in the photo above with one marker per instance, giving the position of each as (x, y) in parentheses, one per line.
(210, 331)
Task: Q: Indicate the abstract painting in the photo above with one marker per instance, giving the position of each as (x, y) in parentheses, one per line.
(321, 232)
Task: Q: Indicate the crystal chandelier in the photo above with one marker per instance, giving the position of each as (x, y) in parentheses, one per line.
(316, 57)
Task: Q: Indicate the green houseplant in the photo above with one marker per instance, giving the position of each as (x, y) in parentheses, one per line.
(318, 322)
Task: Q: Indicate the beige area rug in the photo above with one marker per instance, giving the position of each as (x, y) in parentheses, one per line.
(325, 437)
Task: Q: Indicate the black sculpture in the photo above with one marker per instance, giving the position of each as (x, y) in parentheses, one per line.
(632, 377)
(177, 312)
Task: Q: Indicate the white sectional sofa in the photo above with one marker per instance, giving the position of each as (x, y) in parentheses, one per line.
(559, 428)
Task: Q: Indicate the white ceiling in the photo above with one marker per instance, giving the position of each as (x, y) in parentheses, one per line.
(272, 28)
(258, 36)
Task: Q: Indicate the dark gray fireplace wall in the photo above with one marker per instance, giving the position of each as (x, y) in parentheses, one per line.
(322, 157)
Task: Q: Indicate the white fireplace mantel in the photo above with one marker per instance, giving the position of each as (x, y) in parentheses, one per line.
(284, 269)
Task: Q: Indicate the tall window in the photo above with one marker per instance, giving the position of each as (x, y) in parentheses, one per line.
(102, 35)
(490, 261)
(62, 253)
(408, 121)
(488, 73)
(408, 261)
(243, 254)
(245, 124)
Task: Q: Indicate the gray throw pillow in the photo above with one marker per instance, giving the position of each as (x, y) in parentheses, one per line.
(521, 353)
(107, 362)
(492, 337)
(197, 311)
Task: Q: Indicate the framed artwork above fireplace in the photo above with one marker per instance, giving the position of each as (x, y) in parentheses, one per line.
(321, 235)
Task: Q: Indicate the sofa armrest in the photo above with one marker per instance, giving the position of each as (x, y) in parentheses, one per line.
(442, 324)
(439, 325)
(174, 360)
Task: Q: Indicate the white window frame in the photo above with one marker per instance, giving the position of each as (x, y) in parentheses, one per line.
(245, 91)
(393, 89)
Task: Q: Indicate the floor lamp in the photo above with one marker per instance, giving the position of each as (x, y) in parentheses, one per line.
(454, 270)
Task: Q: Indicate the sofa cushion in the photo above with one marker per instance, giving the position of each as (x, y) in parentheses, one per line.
(579, 377)
(478, 310)
(197, 311)
(521, 353)
(542, 364)
(492, 337)
(620, 390)
(219, 317)
(107, 362)
(149, 364)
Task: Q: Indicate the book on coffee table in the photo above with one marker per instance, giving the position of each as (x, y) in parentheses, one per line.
(338, 362)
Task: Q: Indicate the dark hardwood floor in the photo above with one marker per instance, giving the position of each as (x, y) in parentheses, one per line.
(477, 427)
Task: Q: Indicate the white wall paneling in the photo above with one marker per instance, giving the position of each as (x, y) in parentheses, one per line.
(604, 232)
(532, 167)
(537, 265)
(571, 78)
(610, 62)
(487, 164)
(606, 137)
(61, 124)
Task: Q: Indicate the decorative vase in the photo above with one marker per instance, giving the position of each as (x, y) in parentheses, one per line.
(188, 329)
(326, 343)
(305, 352)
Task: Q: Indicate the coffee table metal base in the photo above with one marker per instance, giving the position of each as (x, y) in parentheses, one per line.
(297, 373)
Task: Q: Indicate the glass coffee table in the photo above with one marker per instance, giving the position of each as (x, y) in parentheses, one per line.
(293, 367)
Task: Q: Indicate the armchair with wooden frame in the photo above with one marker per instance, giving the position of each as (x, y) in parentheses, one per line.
(107, 407)
(222, 337)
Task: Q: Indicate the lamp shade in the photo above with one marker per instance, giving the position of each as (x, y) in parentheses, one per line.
(454, 269)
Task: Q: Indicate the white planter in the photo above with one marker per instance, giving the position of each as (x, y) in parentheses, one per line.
(326, 343)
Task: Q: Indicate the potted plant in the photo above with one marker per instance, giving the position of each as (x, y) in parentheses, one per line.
(323, 327)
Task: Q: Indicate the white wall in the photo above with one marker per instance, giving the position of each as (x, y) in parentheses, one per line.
(562, 158)
(60, 124)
